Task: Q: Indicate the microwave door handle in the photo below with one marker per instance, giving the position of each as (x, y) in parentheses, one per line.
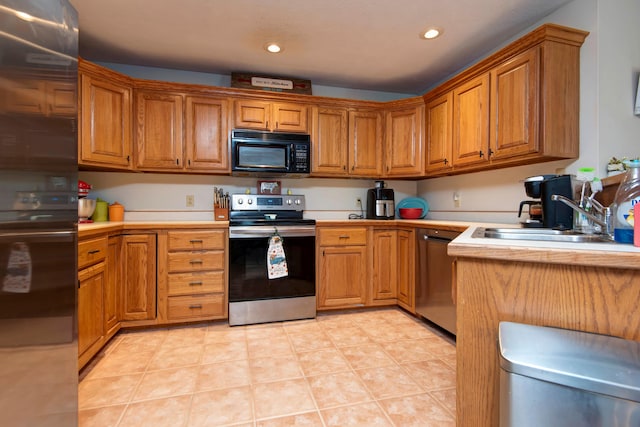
(292, 158)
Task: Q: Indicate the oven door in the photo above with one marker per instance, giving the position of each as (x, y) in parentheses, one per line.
(248, 279)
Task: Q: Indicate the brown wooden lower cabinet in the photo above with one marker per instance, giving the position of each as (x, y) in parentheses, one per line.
(91, 282)
(192, 275)
(138, 263)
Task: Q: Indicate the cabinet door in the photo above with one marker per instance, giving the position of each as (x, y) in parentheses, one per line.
(365, 143)
(139, 277)
(250, 114)
(112, 286)
(385, 280)
(90, 309)
(330, 141)
(105, 123)
(289, 117)
(159, 130)
(406, 269)
(206, 134)
(439, 114)
(342, 276)
(404, 141)
(514, 98)
(471, 122)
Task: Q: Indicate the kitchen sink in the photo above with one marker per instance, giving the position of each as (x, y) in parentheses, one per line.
(540, 234)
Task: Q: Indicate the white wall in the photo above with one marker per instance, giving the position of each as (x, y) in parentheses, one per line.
(609, 59)
(158, 197)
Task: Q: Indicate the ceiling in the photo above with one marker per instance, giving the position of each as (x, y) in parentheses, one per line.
(360, 44)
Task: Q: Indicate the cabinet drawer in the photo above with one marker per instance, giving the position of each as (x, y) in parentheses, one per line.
(196, 283)
(185, 307)
(195, 261)
(91, 251)
(196, 240)
(342, 236)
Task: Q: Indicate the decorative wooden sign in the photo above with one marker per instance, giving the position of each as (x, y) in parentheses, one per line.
(274, 84)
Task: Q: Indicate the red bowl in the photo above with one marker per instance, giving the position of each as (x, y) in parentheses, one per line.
(410, 213)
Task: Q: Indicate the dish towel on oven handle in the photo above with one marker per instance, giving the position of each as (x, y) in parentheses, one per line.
(276, 259)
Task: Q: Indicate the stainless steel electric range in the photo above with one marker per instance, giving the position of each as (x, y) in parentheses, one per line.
(253, 296)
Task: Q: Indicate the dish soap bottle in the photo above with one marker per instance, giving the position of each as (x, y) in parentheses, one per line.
(627, 196)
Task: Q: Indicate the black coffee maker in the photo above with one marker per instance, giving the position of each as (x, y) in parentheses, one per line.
(380, 202)
(544, 212)
(556, 214)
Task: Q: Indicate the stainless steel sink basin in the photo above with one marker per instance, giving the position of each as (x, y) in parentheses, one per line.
(540, 234)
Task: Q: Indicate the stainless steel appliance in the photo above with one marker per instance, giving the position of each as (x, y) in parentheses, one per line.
(253, 296)
(434, 285)
(38, 213)
(380, 202)
(261, 153)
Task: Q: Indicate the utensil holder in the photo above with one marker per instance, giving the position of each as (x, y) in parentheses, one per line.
(220, 214)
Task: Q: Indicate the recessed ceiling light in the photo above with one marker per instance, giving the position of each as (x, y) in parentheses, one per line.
(273, 47)
(431, 33)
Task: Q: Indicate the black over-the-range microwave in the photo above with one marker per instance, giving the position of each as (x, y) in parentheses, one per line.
(270, 153)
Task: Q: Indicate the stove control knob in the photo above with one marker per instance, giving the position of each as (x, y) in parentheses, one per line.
(240, 201)
(297, 201)
(289, 201)
(250, 201)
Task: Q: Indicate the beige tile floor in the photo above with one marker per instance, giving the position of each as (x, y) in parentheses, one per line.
(377, 367)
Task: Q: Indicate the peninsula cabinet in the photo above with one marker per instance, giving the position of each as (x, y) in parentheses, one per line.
(365, 143)
(112, 291)
(138, 263)
(105, 116)
(404, 139)
(518, 106)
(330, 141)
(574, 289)
(192, 275)
(272, 116)
(342, 273)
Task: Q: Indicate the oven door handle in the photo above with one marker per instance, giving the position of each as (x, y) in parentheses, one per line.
(249, 232)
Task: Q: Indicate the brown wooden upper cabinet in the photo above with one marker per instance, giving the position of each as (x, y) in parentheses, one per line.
(516, 107)
(404, 140)
(181, 132)
(104, 130)
(330, 140)
(365, 143)
(439, 130)
(159, 128)
(272, 116)
(206, 139)
(471, 122)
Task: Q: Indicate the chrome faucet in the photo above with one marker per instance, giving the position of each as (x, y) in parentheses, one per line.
(604, 218)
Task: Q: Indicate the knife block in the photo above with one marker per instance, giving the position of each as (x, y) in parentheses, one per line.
(220, 214)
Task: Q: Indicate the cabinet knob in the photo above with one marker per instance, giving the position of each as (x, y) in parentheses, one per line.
(195, 261)
(481, 153)
(195, 241)
(192, 306)
(93, 252)
(195, 283)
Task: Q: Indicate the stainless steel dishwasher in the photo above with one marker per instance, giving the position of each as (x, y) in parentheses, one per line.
(434, 286)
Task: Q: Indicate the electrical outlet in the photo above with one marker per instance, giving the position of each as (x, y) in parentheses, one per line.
(190, 200)
(456, 200)
(359, 203)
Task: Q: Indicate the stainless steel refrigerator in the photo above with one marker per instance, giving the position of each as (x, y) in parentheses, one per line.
(38, 213)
